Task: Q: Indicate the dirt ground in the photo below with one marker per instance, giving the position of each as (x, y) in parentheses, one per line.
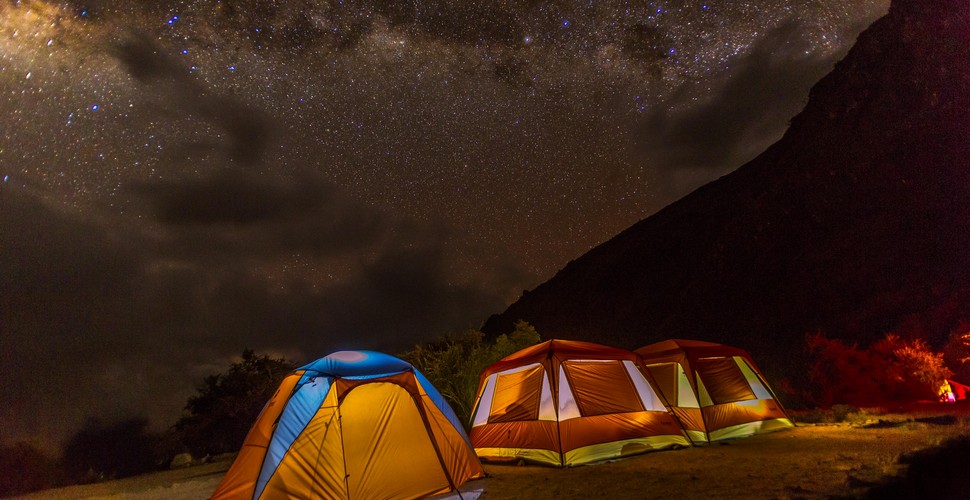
(809, 461)
(815, 461)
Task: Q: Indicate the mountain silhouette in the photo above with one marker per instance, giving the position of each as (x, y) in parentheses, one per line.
(855, 223)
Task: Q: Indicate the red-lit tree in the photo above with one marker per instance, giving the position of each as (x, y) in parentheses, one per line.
(892, 369)
(957, 352)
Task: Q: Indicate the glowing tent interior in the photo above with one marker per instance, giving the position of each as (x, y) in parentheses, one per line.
(569, 403)
(357, 425)
(716, 391)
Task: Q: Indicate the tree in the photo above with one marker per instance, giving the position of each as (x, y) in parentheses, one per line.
(957, 352)
(25, 468)
(219, 417)
(841, 373)
(891, 369)
(102, 451)
(918, 371)
(455, 362)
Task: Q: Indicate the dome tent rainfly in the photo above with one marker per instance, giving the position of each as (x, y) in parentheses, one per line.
(357, 425)
(716, 391)
(568, 403)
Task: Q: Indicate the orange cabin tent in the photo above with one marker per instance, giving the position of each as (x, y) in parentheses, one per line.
(353, 425)
(716, 391)
(568, 403)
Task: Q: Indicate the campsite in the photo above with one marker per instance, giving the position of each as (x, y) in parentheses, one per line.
(364, 424)
(817, 460)
(568, 419)
(485, 249)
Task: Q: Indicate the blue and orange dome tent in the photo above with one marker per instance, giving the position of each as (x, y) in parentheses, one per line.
(354, 424)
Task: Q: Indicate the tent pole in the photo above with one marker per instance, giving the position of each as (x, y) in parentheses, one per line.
(343, 449)
(555, 399)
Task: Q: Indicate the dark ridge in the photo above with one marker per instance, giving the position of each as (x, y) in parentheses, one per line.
(855, 223)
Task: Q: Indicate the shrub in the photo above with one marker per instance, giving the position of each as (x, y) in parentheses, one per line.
(455, 362)
(917, 370)
(836, 414)
(841, 373)
(841, 412)
(219, 417)
(938, 472)
(102, 451)
(957, 352)
(892, 369)
(25, 468)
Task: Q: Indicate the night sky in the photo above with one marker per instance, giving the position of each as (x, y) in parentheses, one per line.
(180, 180)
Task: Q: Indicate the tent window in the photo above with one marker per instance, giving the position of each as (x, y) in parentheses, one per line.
(665, 375)
(602, 388)
(724, 381)
(517, 395)
(757, 385)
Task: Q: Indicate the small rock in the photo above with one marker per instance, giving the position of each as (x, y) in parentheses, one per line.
(180, 461)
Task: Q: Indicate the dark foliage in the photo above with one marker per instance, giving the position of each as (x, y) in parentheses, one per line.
(939, 472)
(455, 363)
(24, 468)
(102, 451)
(219, 417)
(890, 370)
(957, 352)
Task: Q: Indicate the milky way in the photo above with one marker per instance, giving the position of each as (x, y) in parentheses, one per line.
(181, 180)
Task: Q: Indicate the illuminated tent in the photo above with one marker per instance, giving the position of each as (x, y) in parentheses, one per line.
(959, 390)
(569, 403)
(355, 424)
(715, 390)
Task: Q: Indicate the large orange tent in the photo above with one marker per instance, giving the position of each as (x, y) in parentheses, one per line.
(716, 391)
(355, 424)
(569, 403)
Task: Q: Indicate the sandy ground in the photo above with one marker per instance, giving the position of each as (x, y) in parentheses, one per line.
(810, 461)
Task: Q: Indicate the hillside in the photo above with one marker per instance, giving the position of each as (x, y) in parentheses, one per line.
(856, 222)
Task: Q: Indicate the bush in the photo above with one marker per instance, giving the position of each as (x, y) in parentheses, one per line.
(939, 472)
(840, 373)
(836, 414)
(25, 468)
(918, 371)
(101, 451)
(455, 363)
(219, 417)
(841, 412)
(890, 370)
(957, 352)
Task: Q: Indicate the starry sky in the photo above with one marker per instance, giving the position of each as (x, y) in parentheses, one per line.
(180, 180)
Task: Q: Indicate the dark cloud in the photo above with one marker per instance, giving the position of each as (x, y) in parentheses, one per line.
(67, 281)
(229, 197)
(247, 128)
(644, 42)
(95, 305)
(265, 214)
(463, 22)
(112, 314)
(742, 113)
